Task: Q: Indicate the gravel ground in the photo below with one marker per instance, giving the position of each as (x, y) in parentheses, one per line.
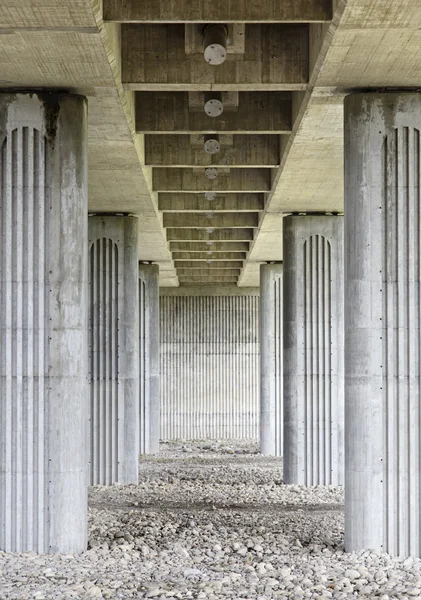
(212, 520)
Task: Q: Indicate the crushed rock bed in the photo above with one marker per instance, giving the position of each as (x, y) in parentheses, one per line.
(212, 520)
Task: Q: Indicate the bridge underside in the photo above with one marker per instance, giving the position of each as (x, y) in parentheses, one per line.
(223, 151)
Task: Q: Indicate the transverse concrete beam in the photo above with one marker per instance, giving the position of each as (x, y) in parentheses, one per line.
(236, 151)
(228, 220)
(190, 180)
(209, 272)
(257, 112)
(228, 203)
(206, 246)
(272, 57)
(202, 11)
(194, 256)
(218, 235)
(200, 265)
(203, 279)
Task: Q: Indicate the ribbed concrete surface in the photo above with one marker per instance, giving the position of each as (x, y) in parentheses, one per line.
(209, 367)
(271, 361)
(114, 349)
(313, 349)
(43, 323)
(382, 322)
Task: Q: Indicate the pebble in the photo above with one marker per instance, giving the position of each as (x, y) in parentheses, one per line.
(208, 521)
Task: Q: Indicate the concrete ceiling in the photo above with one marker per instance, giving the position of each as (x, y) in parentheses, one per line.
(141, 64)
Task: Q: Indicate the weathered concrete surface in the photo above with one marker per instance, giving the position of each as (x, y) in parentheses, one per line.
(149, 370)
(382, 322)
(271, 360)
(313, 350)
(114, 349)
(43, 320)
(209, 364)
(368, 44)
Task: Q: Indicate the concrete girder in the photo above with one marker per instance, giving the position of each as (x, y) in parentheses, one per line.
(200, 11)
(191, 180)
(209, 273)
(206, 246)
(228, 203)
(202, 265)
(199, 279)
(194, 256)
(257, 112)
(227, 220)
(165, 57)
(218, 235)
(236, 151)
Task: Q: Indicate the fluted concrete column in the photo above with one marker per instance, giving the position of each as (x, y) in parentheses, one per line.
(150, 410)
(313, 350)
(114, 349)
(271, 350)
(382, 322)
(43, 341)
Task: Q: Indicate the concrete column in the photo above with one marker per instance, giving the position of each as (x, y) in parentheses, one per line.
(43, 322)
(150, 409)
(271, 384)
(313, 350)
(114, 349)
(382, 322)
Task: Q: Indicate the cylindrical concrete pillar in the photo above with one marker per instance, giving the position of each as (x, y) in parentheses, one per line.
(43, 342)
(313, 350)
(271, 384)
(382, 322)
(114, 349)
(150, 413)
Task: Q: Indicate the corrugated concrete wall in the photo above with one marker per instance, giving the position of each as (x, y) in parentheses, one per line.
(209, 367)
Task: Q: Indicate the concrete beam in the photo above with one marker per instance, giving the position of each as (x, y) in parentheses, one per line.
(205, 246)
(211, 282)
(202, 265)
(209, 273)
(208, 291)
(257, 112)
(204, 279)
(236, 151)
(193, 203)
(166, 57)
(201, 11)
(228, 220)
(190, 180)
(224, 235)
(193, 256)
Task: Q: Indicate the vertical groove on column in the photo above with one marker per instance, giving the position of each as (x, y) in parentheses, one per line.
(401, 340)
(104, 361)
(317, 361)
(24, 314)
(279, 432)
(209, 367)
(144, 413)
